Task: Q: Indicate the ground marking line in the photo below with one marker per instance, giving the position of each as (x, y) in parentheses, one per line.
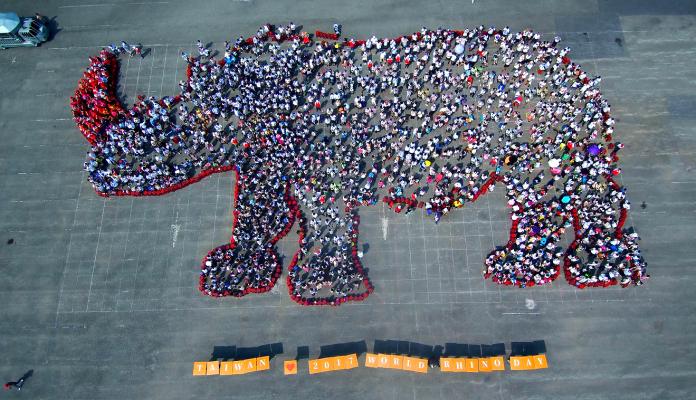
(383, 206)
(87, 5)
(164, 69)
(96, 252)
(67, 253)
(137, 80)
(521, 313)
(114, 4)
(76, 27)
(149, 81)
(363, 304)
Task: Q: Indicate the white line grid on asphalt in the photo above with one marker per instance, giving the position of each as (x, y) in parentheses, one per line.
(463, 287)
(356, 35)
(428, 290)
(124, 79)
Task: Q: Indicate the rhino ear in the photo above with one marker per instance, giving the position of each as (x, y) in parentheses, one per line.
(95, 104)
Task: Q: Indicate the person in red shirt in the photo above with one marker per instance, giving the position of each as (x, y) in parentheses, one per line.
(18, 384)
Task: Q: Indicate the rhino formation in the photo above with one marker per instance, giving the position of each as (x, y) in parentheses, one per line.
(314, 128)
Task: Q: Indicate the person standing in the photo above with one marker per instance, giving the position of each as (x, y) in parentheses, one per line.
(18, 384)
(137, 50)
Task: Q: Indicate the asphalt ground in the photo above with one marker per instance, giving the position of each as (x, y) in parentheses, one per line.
(99, 297)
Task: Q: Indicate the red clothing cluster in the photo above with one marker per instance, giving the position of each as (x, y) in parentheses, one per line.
(95, 103)
(324, 35)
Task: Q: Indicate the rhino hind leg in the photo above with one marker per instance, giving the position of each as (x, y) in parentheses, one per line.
(325, 273)
(533, 255)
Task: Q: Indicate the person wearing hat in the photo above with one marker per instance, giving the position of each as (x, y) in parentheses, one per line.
(17, 385)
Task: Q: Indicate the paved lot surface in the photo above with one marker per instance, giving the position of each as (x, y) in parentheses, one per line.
(98, 296)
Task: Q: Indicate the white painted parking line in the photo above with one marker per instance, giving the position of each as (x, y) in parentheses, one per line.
(87, 5)
(152, 67)
(77, 27)
(164, 70)
(521, 313)
(144, 3)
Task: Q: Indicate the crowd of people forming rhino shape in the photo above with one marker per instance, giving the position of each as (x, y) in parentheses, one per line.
(313, 129)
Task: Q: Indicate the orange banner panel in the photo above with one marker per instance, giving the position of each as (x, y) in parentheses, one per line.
(471, 365)
(371, 360)
(237, 367)
(383, 360)
(451, 364)
(520, 363)
(320, 365)
(249, 365)
(446, 364)
(263, 363)
(226, 368)
(484, 365)
(290, 367)
(326, 364)
(528, 362)
(313, 367)
(497, 363)
(396, 362)
(540, 361)
(199, 368)
(337, 363)
(213, 368)
(515, 363)
(350, 361)
(415, 364)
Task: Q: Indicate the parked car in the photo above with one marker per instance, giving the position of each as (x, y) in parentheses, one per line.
(18, 31)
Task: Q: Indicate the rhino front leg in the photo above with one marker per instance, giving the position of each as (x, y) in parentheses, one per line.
(250, 263)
